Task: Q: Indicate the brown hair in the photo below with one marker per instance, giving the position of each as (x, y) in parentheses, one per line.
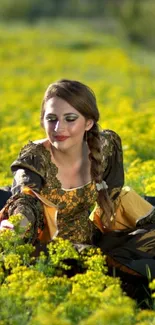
(82, 98)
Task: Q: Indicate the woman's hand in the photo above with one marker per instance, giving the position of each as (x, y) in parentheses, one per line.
(5, 224)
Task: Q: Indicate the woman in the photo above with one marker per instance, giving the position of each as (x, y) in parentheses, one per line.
(70, 184)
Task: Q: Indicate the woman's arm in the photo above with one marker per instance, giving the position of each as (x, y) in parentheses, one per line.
(27, 170)
(112, 154)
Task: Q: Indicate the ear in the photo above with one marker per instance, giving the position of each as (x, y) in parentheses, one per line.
(89, 124)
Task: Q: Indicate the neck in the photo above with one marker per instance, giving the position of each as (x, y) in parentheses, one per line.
(70, 157)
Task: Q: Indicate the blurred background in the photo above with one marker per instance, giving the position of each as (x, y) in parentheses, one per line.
(135, 19)
(107, 44)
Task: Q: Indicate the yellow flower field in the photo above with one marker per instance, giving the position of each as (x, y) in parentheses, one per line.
(42, 291)
(31, 57)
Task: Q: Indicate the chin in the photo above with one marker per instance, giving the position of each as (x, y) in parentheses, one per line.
(60, 146)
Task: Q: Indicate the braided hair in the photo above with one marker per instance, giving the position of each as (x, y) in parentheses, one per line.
(103, 199)
(83, 99)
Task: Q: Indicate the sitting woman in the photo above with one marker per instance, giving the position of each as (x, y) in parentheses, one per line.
(70, 184)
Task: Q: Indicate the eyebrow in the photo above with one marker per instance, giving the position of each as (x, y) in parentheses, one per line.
(66, 114)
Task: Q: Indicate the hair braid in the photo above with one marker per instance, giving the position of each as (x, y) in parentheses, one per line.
(103, 199)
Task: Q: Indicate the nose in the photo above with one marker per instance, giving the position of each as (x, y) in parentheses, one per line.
(59, 126)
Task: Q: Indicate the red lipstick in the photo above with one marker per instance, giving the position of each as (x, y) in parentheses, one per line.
(60, 138)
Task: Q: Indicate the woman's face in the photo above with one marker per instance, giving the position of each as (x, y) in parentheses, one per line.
(64, 125)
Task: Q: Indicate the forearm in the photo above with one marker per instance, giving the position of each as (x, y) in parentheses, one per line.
(31, 209)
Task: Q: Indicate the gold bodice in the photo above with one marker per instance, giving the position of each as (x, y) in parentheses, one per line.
(74, 207)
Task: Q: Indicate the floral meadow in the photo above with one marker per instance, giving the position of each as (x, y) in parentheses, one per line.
(32, 57)
(45, 290)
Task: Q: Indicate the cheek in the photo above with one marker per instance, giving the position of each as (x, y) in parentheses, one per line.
(78, 129)
(49, 126)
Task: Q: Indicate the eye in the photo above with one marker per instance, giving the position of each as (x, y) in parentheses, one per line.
(51, 119)
(71, 119)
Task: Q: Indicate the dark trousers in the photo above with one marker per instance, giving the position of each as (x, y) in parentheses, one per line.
(4, 196)
(150, 199)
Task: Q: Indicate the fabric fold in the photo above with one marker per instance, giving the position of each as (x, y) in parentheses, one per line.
(50, 230)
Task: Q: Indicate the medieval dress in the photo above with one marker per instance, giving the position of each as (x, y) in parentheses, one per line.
(74, 214)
